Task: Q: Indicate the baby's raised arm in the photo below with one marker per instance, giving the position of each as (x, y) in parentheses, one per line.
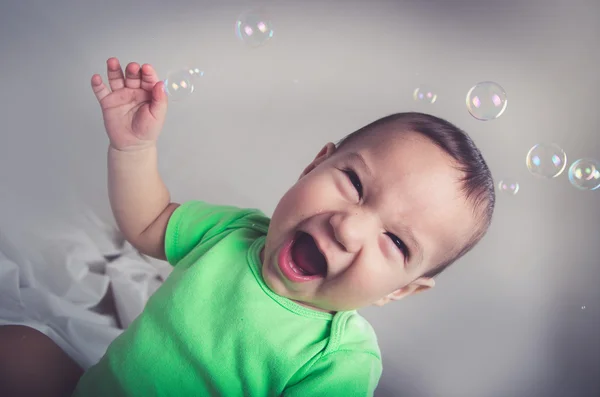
(139, 199)
(134, 111)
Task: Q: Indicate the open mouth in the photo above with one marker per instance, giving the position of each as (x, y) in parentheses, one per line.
(301, 260)
(307, 257)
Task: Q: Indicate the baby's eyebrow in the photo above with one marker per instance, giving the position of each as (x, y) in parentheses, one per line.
(357, 157)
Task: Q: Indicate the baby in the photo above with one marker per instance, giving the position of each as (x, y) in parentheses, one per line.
(267, 307)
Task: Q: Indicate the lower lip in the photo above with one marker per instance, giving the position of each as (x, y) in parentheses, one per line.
(286, 264)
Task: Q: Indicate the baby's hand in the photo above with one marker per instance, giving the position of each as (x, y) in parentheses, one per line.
(134, 108)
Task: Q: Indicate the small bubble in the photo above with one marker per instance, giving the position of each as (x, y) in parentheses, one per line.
(584, 174)
(486, 101)
(508, 186)
(179, 85)
(546, 160)
(254, 28)
(424, 94)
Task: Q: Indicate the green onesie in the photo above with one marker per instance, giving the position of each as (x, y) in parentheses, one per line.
(214, 328)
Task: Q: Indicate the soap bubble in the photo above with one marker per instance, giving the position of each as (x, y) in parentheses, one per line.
(424, 94)
(546, 160)
(584, 174)
(486, 101)
(508, 186)
(254, 28)
(195, 73)
(179, 85)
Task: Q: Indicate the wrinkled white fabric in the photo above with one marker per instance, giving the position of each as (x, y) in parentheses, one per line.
(63, 282)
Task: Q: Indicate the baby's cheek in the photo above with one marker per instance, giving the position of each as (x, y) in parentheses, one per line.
(292, 208)
(309, 197)
(367, 277)
(363, 291)
(312, 197)
(386, 275)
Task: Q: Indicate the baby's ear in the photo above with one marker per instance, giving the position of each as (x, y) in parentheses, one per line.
(419, 285)
(422, 284)
(324, 154)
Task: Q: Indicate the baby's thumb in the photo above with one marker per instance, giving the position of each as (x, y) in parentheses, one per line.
(158, 105)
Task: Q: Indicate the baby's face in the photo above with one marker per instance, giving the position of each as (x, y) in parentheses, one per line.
(365, 221)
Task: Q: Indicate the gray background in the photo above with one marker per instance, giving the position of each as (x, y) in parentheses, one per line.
(508, 319)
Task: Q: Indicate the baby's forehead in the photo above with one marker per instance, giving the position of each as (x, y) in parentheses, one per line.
(399, 149)
(387, 139)
(406, 170)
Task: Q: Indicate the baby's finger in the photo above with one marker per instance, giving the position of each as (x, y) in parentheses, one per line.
(100, 90)
(116, 79)
(133, 75)
(149, 77)
(158, 105)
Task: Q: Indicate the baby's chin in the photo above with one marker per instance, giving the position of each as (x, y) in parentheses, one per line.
(278, 287)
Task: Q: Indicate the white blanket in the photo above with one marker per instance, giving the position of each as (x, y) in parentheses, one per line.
(80, 284)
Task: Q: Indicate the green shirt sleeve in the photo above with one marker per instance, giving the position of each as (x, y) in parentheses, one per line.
(342, 373)
(196, 222)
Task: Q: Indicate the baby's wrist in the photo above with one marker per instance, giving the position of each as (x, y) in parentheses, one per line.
(133, 148)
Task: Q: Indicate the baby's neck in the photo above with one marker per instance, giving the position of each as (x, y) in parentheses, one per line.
(313, 307)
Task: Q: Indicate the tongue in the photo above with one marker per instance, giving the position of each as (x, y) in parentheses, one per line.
(307, 256)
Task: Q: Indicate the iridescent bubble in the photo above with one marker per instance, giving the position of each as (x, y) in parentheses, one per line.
(254, 28)
(424, 94)
(486, 101)
(584, 174)
(508, 186)
(179, 85)
(546, 160)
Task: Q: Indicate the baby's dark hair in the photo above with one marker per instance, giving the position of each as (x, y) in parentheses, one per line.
(477, 182)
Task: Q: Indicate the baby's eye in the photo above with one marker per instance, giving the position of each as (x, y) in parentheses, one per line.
(355, 181)
(399, 243)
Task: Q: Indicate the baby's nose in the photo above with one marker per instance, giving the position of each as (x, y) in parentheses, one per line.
(352, 230)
